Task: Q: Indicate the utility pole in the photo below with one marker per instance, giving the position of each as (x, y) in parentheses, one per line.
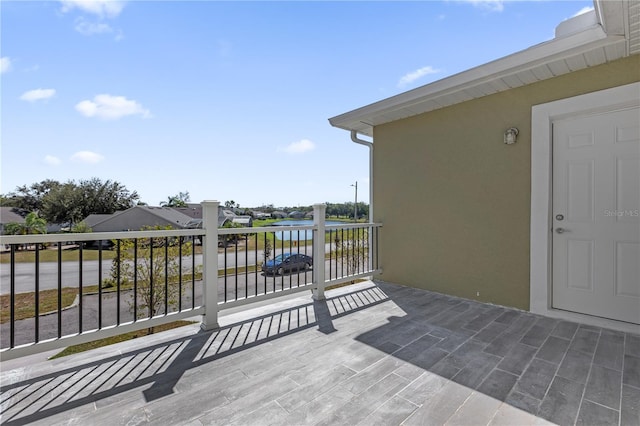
(355, 206)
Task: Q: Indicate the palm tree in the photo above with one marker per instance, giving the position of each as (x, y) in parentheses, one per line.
(34, 224)
(179, 200)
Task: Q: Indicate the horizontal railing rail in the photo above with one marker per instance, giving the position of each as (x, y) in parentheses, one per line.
(153, 277)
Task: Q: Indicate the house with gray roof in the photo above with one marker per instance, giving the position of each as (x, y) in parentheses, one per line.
(9, 215)
(136, 218)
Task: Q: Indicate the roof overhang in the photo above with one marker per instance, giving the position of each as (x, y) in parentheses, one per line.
(597, 37)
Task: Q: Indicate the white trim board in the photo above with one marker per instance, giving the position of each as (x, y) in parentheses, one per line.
(542, 117)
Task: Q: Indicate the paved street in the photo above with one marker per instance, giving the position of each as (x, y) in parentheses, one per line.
(25, 272)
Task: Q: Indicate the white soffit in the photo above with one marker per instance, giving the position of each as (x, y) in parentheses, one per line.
(580, 43)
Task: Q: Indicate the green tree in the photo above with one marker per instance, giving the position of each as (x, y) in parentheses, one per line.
(156, 272)
(80, 228)
(179, 200)
(72, 202)
(35, 224)
(353, 250)
(29, 198)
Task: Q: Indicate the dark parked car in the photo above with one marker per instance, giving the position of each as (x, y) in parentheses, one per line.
(287, 262)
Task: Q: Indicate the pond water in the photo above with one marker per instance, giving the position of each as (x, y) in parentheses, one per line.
(295, 235)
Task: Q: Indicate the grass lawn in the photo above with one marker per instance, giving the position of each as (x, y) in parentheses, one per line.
(25, 303)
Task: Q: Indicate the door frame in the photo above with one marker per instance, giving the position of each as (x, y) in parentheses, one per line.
(541, 267)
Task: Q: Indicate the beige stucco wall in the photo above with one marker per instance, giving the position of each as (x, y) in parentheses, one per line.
(455, 200)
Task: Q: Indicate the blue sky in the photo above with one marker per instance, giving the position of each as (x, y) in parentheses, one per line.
(229, 100)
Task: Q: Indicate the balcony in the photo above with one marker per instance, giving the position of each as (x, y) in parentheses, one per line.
(367, 353)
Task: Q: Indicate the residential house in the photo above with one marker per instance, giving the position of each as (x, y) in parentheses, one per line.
(9, 215)
(505, 223)
(136, 218)
(193, 210)
(296, 215)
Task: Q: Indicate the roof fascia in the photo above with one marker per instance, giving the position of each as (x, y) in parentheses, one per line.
(534, 56)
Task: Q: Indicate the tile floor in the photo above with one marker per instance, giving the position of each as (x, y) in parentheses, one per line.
(371, 354)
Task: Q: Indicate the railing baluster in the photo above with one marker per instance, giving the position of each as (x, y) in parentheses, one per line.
(180, 272)
(12, 298)
(135, 279)
(150, 304)
(246, 265)
(100, 285)
(79, 289)
(166, 275)
(255, 261)
(342, 247)
(290, 251)
(37, 295)
(224, 243)
(193, 273)
(330, 256)
(235, 238)
(118, 282)
(59, 290)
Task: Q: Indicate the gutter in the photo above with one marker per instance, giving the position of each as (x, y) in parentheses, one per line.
(354, 138)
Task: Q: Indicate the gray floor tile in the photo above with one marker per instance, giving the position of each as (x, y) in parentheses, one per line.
(593, 414)
(630, 406)
(478, 409)
(536, 379)
(440, 407)
(553, 349)
(610, 350)
(429, 358)
(423, 388)
(631, 372)
(392, 412)
(585, 340)
(536, 336)
(562, 402)
(490, 332)
(524, 402)
(508, 317)
(517, 359)
(565, 330)
(498, 384)
(575, 366)
(604, 387)
(632, 344)
(367, 402)
(484, 319)
(476, 370)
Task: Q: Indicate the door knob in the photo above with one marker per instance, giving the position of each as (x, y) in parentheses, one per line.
(560, 230)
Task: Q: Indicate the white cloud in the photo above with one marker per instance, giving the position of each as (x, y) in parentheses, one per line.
(490, 5)
(37, 95)
(584, 10)
(101, 8)
(85, 27)
(109, 107)
(86, 157)
(417, 74)
(52, 160)
(299, 147)
(5, 64)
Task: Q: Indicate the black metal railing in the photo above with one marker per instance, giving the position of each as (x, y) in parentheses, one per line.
(69, 293)
(142, 278)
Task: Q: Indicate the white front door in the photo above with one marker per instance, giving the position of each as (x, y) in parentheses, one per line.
(596, 215)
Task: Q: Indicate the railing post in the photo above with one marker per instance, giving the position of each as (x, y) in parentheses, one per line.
(210, 265)
(319, 212)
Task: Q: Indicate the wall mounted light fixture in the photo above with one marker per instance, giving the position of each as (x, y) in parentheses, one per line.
(510, 135)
